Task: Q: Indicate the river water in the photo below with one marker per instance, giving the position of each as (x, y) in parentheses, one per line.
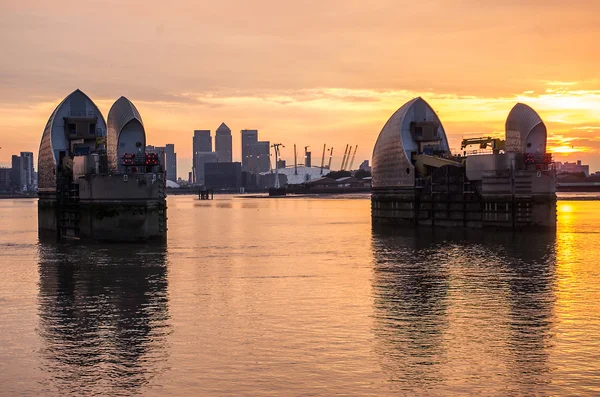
(301, 297)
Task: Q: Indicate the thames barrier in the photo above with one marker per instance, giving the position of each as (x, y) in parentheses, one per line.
(95, 179)
(418, 181)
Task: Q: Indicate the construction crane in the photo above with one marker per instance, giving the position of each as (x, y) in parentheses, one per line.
(353, 155)
(344, 158)
(275, 147)
(330, 157)
(295, 161)
(323, 158)
(484, 142)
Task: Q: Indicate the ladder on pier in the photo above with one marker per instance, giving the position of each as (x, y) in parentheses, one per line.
(68, 219)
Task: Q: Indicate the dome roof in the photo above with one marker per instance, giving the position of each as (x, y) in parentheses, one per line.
(54, 140)
(392, 165)
(525, 130)
(125, 129)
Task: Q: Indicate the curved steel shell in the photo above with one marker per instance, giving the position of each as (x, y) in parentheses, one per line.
(525, 130)
(54, 139)
(124, 121)
(392, 165)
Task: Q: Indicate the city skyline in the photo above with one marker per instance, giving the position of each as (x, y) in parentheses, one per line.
(322, 73)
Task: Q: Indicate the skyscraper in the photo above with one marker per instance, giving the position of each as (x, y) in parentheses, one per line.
(4, 178)
(15, 173)
(249, 137)
(258, 159)
(202, 143)
(27, 170)
(171, 160)
(201, 159)
(223, 146)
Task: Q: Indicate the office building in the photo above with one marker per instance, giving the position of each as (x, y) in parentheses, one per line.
(365, 166)
(201, 143)
(171, 162)
(15, 172)
(572, 168)
(27, 171)
(5, 178)
(258, 159)
(199, 163)
(223, 145)
(223, 176)
(249, 137)
(281, 164)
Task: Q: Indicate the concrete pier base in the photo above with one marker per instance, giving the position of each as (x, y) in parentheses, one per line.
(122, 208)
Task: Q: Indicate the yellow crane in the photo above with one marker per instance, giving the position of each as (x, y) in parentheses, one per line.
(496, 144)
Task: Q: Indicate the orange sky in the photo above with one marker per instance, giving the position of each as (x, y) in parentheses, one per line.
(309, 72)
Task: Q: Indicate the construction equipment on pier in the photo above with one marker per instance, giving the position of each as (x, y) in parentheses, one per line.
(496, 144)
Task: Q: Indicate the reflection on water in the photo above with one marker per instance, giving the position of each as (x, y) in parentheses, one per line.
(300, 296)
(451, 305)
(103, 312)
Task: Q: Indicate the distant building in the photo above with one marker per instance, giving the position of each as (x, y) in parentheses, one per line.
(201, 143)
(15, 173)
(190, 177)
(27, 171)
(308, 159)
(171, 162)
(295, 176)
(258, 157)
(249, 137)
(5, 178)
(365, 166)
(223, 175)
(223, 144)
(572, 168)
(281, 164)
(202, 158)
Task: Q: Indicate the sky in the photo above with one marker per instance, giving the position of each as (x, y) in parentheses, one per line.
(308, 72)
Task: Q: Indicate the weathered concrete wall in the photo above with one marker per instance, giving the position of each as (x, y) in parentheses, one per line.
(120, 187)
(47, 222)
(109, 208)
(525, 201)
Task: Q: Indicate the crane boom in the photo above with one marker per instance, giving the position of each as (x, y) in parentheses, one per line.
(353, 156)
(323, 158)
(344, 158)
